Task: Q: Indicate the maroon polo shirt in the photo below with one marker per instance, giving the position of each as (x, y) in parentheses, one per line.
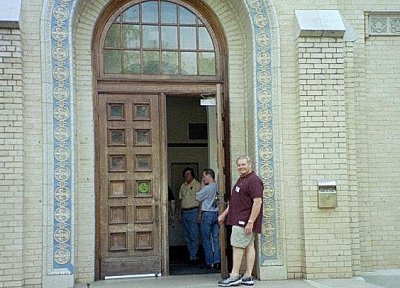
(245, 190)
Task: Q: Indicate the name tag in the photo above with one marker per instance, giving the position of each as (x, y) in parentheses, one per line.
(237, 189)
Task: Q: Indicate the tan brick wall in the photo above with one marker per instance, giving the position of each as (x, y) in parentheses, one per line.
(367, 174)
(360, 168)
(85, 162)
(376, 88)
(379, 203)
(11, 159)
(291, 196)
(323, 153)
(33, 144)
(373, 61)
(237, 30)
(351, 125)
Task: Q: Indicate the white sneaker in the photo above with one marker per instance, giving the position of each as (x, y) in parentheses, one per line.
(230, 281)
(247, 280)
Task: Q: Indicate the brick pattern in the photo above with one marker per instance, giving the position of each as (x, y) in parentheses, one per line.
(323, 155)
(33, 145)
(379, 203)
(351, 117)
(85, 202)
(11, 159)
(240, 75)
(371, 82)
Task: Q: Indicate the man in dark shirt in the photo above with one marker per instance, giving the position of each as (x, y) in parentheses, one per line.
(244, 213)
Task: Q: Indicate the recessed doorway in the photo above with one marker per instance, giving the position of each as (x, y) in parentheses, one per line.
(189, 128)
(142, 75)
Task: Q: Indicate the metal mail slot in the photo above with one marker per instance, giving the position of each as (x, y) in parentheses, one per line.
(327, 197)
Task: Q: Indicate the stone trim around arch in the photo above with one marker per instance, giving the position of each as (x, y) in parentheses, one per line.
(60, 188)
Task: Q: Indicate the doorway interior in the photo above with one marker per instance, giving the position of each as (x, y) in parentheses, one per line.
(189, 135)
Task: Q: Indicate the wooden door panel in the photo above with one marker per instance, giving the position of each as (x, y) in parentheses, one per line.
(221, 178)
(122, 266)
(129, 196)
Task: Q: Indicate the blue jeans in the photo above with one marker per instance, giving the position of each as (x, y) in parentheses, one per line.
(210, 233)
(191, 231)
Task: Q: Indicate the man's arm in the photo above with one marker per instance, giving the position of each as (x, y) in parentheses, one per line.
(202, 193)
(221, 218)
(255, 210)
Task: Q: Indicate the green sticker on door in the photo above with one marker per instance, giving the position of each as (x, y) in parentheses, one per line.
(143, 187)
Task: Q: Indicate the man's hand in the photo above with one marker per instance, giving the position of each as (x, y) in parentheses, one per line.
(248, 229)
(221, 219)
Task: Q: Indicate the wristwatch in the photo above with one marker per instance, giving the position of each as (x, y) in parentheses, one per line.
(250, 221)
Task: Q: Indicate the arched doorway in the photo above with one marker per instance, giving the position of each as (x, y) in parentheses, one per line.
(144, 53)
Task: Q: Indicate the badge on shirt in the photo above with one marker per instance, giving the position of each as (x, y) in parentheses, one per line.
(237, 189)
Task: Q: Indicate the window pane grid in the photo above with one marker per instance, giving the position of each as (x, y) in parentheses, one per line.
(159, 37)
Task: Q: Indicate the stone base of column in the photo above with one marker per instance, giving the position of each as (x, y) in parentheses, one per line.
(59, 281)
(273, 273)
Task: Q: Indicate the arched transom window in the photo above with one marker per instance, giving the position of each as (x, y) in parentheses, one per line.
(158, 38)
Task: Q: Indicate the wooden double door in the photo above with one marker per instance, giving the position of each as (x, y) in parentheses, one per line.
(129, 213)
(131, 200)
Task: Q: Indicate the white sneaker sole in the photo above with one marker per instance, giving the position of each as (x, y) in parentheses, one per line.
(236, 283)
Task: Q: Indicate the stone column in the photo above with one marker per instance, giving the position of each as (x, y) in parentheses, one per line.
(323, 143)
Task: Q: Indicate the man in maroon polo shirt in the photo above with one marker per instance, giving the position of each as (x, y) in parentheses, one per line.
(245, 215)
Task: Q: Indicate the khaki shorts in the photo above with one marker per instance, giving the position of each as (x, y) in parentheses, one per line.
(239, 238)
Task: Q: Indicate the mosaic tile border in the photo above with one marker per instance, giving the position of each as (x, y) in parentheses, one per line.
(383, 24)
(59, 129)
(261, 25)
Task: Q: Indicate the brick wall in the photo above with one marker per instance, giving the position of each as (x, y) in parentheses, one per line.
(379, 203)
(291, 197)
(85, 162)
(11, 159)
(351, 125)
(366, 170)
(33, 144)
(364, 94)
(323, 153)
(240, 73)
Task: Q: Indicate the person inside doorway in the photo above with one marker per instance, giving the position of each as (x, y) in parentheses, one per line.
(190, 213)
(208, 196)
(244, 213)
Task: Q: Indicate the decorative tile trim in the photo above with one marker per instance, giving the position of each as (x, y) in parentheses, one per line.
(261, 26)
(58, 126)
(383, 24)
